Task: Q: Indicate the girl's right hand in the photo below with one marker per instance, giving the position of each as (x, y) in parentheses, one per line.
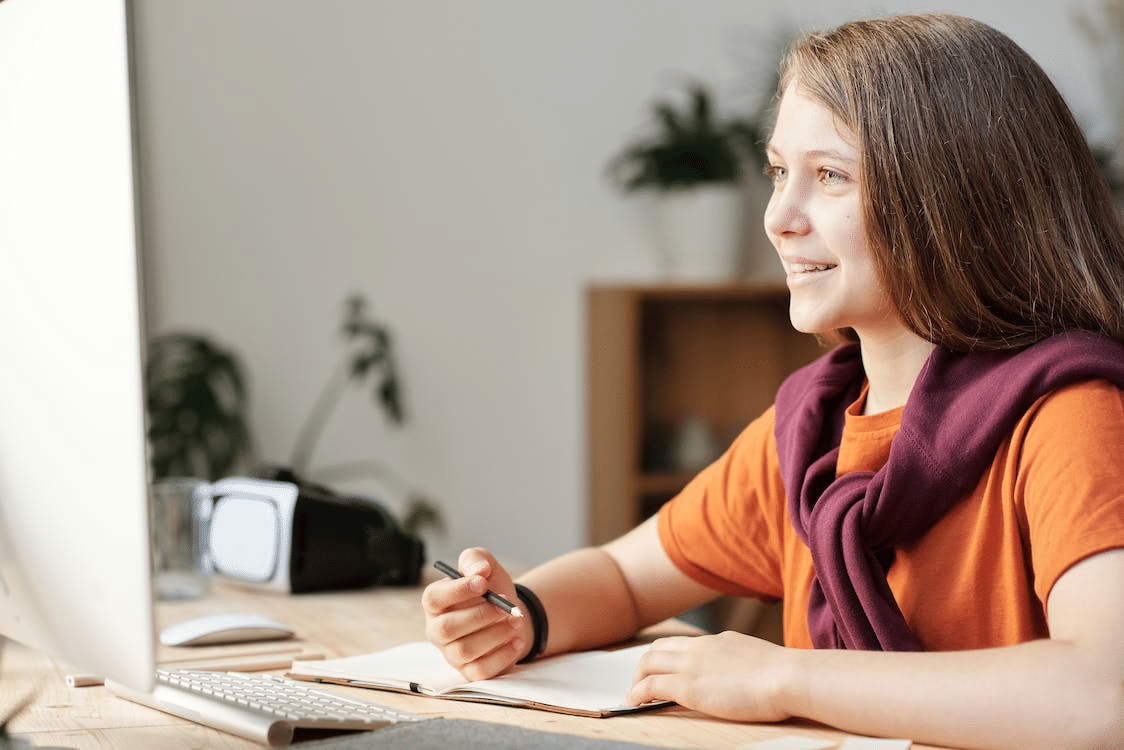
(475, 636)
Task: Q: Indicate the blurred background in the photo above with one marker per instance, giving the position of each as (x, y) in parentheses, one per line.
(446, 160)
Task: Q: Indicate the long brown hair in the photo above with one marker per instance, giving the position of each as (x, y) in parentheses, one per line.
(991, 224)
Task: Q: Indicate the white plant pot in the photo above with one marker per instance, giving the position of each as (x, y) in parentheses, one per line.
(697, 233)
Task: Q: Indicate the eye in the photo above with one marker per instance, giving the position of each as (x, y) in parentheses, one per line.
(830, 176)
(775, 172)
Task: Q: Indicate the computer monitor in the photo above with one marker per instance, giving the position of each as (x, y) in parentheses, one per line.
(75, 570)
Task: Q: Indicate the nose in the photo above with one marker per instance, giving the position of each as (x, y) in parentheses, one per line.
(785, 214)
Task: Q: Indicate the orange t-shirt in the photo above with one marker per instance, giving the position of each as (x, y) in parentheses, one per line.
(980, 576)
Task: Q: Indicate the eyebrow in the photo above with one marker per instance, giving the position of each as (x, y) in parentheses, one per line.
(819, 153)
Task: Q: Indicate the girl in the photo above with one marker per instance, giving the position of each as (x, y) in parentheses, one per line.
(939, 501)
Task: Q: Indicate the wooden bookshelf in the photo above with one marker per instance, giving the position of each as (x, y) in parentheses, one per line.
(659, 355)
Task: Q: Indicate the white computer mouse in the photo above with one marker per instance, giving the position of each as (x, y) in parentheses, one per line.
(231, 627)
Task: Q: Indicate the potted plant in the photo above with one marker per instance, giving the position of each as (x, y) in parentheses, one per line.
(690, 149)
(694, 167)
(197, 405)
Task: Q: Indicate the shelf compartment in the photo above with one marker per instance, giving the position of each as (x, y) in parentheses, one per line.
(660, 355)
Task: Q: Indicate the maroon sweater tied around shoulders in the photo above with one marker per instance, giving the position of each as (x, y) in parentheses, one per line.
(960, 409)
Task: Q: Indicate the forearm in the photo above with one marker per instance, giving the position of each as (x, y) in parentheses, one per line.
(603, 595)
(1044, 694)
(587, 600)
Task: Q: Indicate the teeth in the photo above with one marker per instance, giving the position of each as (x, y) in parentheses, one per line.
(809, 267)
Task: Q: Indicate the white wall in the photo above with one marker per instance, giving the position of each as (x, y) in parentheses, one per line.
(444, 157)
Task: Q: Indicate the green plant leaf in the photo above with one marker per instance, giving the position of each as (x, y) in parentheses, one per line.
(197, 407)
(390, 396)
(691, 148)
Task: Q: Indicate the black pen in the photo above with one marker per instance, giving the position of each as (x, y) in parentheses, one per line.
(491, 596)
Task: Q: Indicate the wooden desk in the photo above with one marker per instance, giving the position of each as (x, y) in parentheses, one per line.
(341, 624)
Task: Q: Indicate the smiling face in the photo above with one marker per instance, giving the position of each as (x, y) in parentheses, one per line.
(815, 221)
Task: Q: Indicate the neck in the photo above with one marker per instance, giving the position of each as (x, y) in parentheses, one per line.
(892, 366)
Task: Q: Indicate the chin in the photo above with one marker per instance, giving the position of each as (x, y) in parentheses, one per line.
(813, 324)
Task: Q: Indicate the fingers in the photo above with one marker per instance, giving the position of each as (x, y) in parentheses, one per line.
(480, 640)
(475, 636)
(471, 616)
(450, 594)
(492, 648)
(477, 567)
(664, 656)
(477, 561)
(654, 688)
(486, 653)
(658, 674)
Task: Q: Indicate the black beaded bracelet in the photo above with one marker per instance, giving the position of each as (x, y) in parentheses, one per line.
(538, 621)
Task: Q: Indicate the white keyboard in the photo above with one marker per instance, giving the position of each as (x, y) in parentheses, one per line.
(261, 707)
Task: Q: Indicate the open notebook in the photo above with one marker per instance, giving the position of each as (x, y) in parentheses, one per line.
(589, 683)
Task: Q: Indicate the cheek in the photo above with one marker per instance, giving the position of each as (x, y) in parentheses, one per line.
(854, 237)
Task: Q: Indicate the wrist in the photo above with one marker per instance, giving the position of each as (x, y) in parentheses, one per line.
(791, 692)
(535, 613)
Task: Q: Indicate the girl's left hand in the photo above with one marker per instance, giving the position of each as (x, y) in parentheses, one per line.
(729, 675)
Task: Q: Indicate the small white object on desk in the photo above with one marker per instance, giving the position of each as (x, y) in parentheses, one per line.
(231, 627)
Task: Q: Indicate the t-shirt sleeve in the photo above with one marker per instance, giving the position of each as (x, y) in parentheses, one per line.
(725, 529)
(1072, 479)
